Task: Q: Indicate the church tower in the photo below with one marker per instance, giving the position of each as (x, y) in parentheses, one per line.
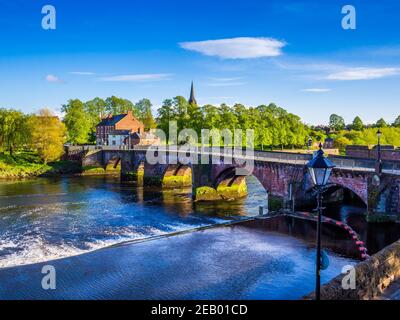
(192, 99)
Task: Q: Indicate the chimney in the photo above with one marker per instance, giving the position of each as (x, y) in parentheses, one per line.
(129, 113)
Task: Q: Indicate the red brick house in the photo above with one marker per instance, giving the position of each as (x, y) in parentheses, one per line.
(122, 124)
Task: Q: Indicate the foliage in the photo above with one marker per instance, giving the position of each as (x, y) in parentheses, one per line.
(115, 105)
(14, 130)
(145, 115)
(396, 122)
(272, 125)
(390, 136)
(357, 125)
(336, 122)
(381, 123)
(48, 135)
(28, 164)
(77, 122)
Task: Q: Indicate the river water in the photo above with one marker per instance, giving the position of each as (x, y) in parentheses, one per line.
(44, 219)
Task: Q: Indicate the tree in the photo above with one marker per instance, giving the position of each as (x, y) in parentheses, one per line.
(357, 125)
(48, 135)
(115, 105)
(180, 110)
(381, 123)
(94, 109)
(77, 122)
(143, 108)
(336, 122)
(341, 143)
(165, 115)
(14, 130)
(396, 122)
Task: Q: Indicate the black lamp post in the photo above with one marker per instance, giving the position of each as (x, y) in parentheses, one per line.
(379, 158)
(320, 169)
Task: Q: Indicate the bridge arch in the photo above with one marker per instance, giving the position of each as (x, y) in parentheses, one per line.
(177, 176)
(113, 164)
(345, 193)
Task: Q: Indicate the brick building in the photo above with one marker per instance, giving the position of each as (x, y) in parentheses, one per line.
(117, 127)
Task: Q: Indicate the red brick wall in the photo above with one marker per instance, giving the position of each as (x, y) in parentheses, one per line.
(393, 155)
(130, 123)
(356, 183)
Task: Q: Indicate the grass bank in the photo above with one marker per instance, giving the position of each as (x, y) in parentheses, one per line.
(24, 165)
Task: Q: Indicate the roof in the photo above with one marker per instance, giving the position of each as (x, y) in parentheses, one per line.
(120, 132)
(192, 99)
(111, 121)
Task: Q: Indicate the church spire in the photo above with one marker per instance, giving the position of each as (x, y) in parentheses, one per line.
(192, 99)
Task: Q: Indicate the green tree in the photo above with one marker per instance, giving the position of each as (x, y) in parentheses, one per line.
(396, 122)
(211, 117)
(115, 105)
(77, 122)
(381, 123)
(341, 143)
(180, 110)
(336, 122)
(357, 125)
(14, 130)
(145, 114)
(165, 115)
(48, 135)
(95, 109)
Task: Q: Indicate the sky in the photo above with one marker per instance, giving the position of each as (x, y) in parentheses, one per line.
(293, 53)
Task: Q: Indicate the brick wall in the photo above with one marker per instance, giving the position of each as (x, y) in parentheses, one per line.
(387, 152)
(130, 123)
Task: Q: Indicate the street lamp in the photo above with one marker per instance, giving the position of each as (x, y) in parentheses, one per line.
(379, 158)
(320, 169)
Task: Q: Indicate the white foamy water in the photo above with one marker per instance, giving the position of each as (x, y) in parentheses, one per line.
(40, 222)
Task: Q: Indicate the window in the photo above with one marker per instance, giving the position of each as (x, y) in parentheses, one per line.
(114, 142)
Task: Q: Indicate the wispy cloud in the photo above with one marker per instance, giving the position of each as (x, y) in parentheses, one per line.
(225, 82)
(53, 79)
(137, 77)
(317, 90)
(237, 48)
(363, 74)
(82, 73)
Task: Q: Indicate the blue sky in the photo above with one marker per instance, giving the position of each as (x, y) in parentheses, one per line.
(293, 53)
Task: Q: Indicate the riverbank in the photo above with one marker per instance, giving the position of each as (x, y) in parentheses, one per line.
(26, 165)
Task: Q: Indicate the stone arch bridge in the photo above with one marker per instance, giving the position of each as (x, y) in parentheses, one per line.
(282, 174)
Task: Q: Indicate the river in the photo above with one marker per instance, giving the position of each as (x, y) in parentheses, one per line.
(45, 219)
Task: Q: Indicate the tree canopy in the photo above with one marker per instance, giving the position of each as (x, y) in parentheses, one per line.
(336, 122)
